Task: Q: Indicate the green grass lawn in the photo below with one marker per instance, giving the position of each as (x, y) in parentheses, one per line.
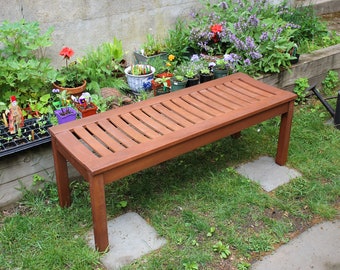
(212, 217)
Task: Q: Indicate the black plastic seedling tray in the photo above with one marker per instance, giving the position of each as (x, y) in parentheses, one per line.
(34, 133)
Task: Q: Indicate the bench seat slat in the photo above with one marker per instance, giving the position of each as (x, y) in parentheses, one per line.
(130, 131)
(238, 95)
(191, 105)
(168, 110)
(253, 88)
(211, 100)
(113, 131)
(155, 125)
(91, 141)
(211, 95)
(196, 100)
(166, 121)
(226, 98)
(109, 141)
(142, 127)
(243, 93)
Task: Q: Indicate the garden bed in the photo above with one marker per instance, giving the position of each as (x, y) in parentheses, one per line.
(34, 133)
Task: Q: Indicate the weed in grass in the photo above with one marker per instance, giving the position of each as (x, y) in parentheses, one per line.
(243, 266)
(190, 266)
(222, 249)
(330, 82)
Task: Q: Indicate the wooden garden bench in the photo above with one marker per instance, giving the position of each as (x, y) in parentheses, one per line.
(113, 144)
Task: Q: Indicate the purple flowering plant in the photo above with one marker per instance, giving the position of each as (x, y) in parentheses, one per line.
(250, 33)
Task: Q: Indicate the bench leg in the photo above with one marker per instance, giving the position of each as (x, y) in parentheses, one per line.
(284, 135)
(61, 173)
(97, 192)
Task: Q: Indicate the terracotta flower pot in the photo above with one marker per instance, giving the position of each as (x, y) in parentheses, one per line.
(90, 109)
(71, 91)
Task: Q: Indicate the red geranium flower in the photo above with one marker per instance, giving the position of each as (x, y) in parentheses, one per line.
(216, 28)
(66, 52)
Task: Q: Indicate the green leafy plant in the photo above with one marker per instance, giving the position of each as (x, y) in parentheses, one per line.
(243, 266)
(70, 75)
(222, 249)
(211, 231)
(330, 82)
(153, 45)
(25, 71)
(190, 266)
(158, 63)
(163, 81)
(103, 66)
(312, 33)
(177, 42)
(41, 105)
(300, 88)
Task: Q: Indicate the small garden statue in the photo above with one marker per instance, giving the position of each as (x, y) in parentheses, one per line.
(15, 117)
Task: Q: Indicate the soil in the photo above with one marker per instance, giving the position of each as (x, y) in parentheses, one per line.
(333, 21)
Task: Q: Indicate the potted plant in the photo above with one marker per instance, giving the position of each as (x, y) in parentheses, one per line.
(178, 82)
(153, 48)
(69, 77)
(224, 65)
(163, 85)
(191, 69)
(161, 71)
(64, 112)
(139, 77)
(84, 104)
(206, 68)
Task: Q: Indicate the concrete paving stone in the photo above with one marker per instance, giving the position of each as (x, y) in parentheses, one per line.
(318, 248)
(267, 173)
(130, 237)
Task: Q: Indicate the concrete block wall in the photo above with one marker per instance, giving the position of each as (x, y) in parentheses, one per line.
(84, 24)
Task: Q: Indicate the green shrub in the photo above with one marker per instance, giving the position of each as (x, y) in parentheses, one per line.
(253, 34)
(300, 88)
(312, 33)
(24, 71)
(330, 82)
(100, 65)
